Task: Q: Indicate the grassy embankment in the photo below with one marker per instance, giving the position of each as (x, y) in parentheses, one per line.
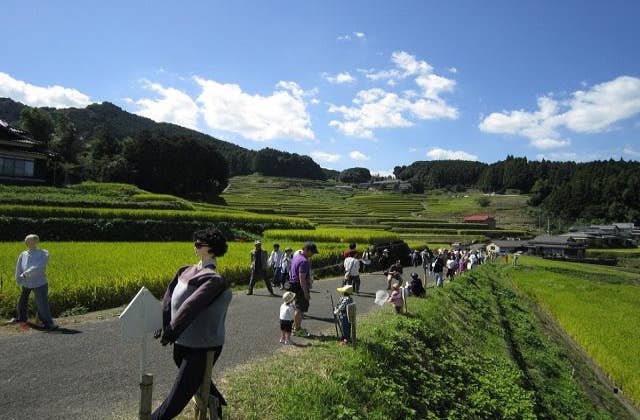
(471, 350)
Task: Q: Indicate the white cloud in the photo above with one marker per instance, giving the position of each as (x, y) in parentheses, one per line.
(437, 153)
(549, 143)
(325, 157)
(339, 78)
(412, 150)
(315, 101)
(453, 70)
(411, 66)
(597, 109)
(433, 85)
(356, 155)
(173, 106)
(283, 114)
(591, 111)
(629, 151)
(383, 173)
(377, 108)
(51, 96)
(556, 156)
(353, 35)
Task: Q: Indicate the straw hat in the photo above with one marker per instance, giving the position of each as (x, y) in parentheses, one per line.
(288, 297)
(345, 290)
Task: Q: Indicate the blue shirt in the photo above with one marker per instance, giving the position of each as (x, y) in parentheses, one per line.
(31, 268)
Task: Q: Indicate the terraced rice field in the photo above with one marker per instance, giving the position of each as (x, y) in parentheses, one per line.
(428, 217)
(597, 306)
(98, 275)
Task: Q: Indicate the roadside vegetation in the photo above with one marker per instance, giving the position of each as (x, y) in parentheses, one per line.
(101, 275)
(471, 350)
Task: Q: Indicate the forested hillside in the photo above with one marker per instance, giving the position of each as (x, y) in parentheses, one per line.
(598, 191)
(107, 144)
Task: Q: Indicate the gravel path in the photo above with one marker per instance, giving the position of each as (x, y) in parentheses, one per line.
(91, 373)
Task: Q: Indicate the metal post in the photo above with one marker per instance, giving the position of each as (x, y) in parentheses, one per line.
(146, 393)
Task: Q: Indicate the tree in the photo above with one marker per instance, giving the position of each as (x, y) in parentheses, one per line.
(65, 141)
(273, 162)
(103, 144)
(354, 175)
(38, 123)
(483, 201)
(178, 165)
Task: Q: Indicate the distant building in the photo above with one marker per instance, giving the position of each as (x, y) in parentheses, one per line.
(616, 235)
(556, 246)
(392, 185)
(23, 160)
(507, 246)
(487, 220)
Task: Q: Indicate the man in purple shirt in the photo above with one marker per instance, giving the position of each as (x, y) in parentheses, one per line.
(300, 283)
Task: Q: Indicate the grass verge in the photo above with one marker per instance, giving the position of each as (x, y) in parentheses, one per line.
(472, 350)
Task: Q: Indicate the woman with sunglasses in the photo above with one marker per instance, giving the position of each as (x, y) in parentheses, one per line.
(194, 311)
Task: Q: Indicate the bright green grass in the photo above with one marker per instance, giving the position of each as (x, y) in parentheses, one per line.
(230, 215)
(332, 235)
(597, 306)
(452, 358)
(99, 275)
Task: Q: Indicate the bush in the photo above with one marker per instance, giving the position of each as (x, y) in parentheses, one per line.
(483, 201)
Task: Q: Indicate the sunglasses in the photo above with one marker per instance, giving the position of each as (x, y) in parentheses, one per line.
(200, 245)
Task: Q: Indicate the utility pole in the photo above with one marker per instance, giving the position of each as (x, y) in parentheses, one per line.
(548, 226)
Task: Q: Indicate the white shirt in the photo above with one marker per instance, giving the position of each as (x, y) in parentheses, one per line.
(352, 266)
(275, 259)
(286, 312)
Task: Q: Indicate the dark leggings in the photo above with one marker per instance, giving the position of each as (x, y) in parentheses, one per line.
(191, 363)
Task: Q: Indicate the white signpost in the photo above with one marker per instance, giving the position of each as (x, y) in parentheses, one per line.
(140, 318)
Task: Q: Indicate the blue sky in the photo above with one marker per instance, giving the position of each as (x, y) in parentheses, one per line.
(357, 83)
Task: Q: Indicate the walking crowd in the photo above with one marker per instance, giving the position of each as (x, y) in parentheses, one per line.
(196, 301)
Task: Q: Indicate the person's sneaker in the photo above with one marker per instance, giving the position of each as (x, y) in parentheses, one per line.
(52, 327)
(249, 293)
(15, 321)
(282, 341)
(289, 343)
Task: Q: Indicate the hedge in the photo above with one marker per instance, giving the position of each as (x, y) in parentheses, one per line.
(111, 230)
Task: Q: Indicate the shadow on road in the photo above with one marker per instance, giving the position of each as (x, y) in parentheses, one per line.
(319, 318)
(59, 330)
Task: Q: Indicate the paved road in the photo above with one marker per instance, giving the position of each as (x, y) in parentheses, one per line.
(93, 374)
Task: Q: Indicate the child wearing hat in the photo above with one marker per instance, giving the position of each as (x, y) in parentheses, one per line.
(286, 317)
(341, 312)
(396, 297)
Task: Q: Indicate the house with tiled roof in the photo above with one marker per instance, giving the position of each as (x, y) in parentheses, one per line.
(556, 246)
(23, 160)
